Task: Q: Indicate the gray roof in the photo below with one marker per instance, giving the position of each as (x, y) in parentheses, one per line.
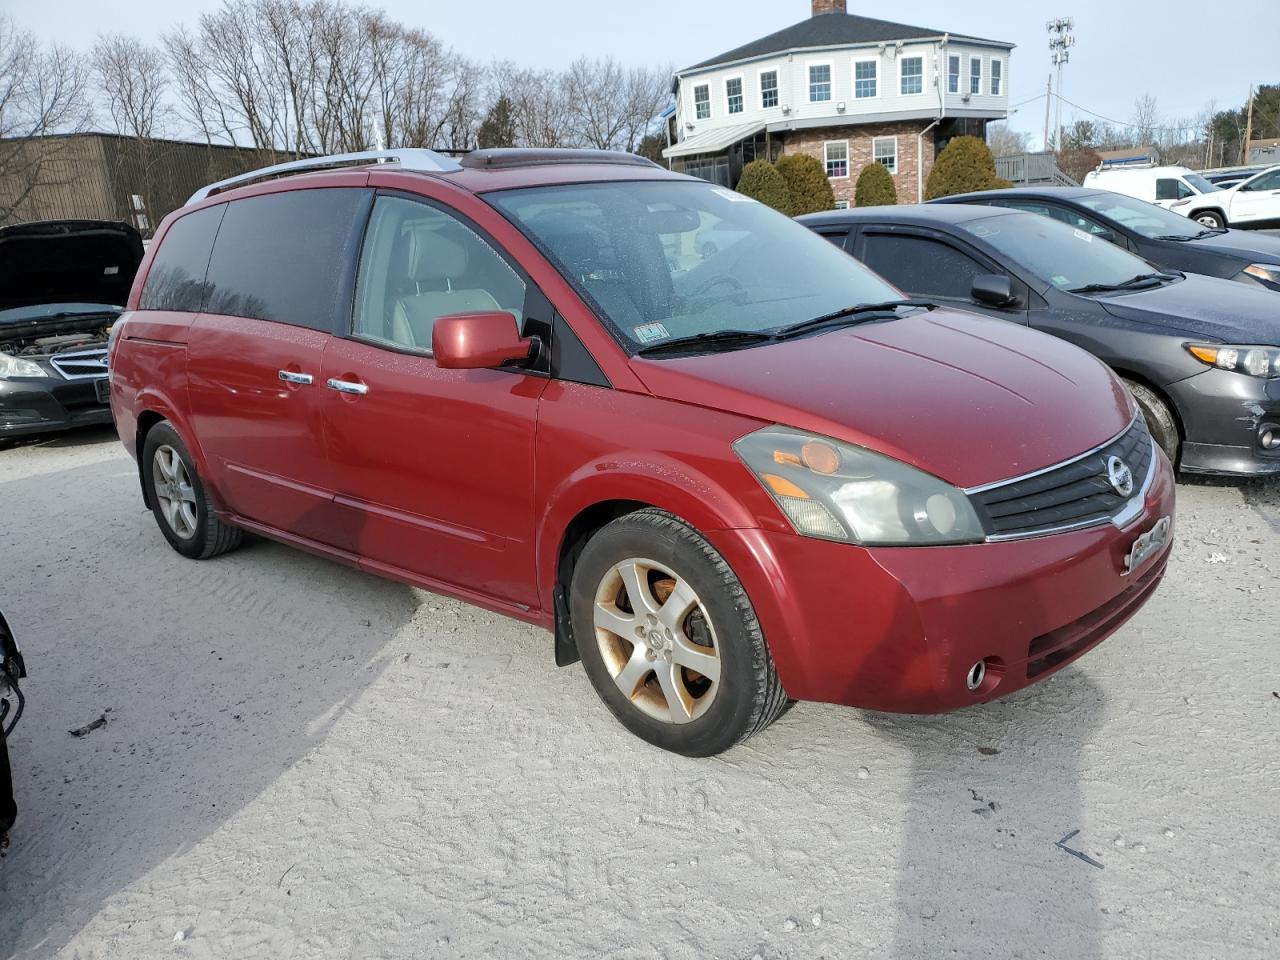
(829, 30)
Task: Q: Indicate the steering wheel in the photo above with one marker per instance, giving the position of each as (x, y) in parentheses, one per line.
(702, 296)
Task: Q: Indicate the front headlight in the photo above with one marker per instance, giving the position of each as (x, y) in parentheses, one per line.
(836, 491)
(1266, 272)
(1254, 361)
(18, 367)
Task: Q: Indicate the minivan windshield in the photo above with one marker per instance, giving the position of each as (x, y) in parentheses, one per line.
(663, 259)
(1068, 258)
(1144, 218)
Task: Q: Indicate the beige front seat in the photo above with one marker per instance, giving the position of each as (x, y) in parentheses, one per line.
(435, 262)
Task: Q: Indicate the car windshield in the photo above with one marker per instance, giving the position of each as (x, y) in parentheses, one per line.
(1142, 217)
(1200, 183)
(662, 259)
(1056, 253)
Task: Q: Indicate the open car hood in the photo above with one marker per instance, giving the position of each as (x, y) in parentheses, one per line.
(67, 261)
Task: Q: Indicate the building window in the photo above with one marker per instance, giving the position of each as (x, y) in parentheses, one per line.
(953, 74)
(733, 94)
(975, 74)
(819, 82)
(837, 156)
(841, 205)
(912, 75)
(885, 150)
(702, 102)
(864, 79)
(769, 89)
(997, 77)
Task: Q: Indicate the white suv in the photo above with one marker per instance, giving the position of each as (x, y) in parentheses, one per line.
(1254, 202)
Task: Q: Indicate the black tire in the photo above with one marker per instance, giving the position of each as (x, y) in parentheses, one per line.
(210, 535)
(1160, 419)
(748, 696)
(1210, 218)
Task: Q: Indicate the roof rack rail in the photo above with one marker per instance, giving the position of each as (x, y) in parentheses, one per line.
(505, 158)
(416, 159)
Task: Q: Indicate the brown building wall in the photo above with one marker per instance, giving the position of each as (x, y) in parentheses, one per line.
(860, 139)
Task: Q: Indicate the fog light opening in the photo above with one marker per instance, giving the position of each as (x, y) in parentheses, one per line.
(1269, 437)
(977, 673)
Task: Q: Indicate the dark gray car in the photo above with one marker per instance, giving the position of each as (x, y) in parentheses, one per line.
(1201, 355)
(1166, 239)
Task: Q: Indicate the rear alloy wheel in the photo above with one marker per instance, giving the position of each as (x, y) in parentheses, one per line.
(178, 499)
(668, 637)
(1210, 219)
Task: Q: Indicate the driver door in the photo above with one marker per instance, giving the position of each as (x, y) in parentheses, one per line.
(1257, 200)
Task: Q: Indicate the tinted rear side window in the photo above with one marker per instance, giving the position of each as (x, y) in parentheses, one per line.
(919, 266)
(176, 280)
(287, 257)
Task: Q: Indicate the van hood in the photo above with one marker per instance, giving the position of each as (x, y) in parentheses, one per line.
(1206, 307)
(966, 398)
(67, 261)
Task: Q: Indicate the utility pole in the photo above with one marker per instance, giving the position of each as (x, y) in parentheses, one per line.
(1061, 40)
(1048, 102)
(1248, 131)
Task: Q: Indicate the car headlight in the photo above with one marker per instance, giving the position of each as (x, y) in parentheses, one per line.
(18, 367)
(1254, 361)
(836, 491)
(1266, 272)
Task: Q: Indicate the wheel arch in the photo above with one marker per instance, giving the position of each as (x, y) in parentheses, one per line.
(1163, 395)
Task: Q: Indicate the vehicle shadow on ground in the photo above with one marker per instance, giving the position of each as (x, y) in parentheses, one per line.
(214, 678)
(983, 866)
(82, 437)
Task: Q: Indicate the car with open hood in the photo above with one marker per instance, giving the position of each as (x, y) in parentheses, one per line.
(723, 475)
(63, 283)
(1201, 355)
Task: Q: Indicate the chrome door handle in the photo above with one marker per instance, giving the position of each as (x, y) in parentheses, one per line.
(346, 386)
(288, 376)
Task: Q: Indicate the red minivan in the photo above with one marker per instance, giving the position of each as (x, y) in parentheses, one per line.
(723, 475)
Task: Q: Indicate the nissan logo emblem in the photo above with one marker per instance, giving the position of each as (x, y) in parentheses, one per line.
(1120, 476)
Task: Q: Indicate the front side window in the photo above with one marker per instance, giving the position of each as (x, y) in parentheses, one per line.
(819, 82)
(176, 280)
(733, 94)
(997, 77)
(286, 256)
(1268, 181)
(921, 267)
(975, 74)
(769, 89)
(953, 74)
(837, 158)
(912, 75)
(1056, 253)
(702, 102)
(864, 79)
(637, 252)
(885, 150)
(419, 264)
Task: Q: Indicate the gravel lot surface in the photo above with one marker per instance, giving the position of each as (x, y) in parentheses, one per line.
(303, 761)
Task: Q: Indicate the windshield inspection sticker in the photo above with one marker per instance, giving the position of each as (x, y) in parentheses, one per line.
(1081, 235)
(649, 332)
(735, 197)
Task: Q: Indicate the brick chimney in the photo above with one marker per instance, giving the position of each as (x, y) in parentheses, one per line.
(828, 6)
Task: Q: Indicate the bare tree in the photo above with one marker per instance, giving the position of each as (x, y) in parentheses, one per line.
(1005, 142)
(1145, 120)
(43, 90)
(133, 77)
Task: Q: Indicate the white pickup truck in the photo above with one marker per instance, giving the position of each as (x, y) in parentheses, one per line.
(1253, 203)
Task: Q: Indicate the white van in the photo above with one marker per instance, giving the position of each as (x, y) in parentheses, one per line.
(1163, 186)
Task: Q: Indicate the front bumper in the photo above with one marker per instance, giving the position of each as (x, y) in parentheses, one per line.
(1221, 414)
(897, 629)
(30, 406)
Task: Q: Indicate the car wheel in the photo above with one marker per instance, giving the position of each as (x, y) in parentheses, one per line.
(669, 639)
(1211, 219)
(1160, 419)
(178, 498)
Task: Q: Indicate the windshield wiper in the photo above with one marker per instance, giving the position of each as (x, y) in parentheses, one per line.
(715, 340)
(1212, 231)
(1140, 282)
(861, 313)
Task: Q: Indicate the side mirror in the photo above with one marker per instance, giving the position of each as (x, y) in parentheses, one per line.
(1106, 235)
(477, 341)
(993, 290)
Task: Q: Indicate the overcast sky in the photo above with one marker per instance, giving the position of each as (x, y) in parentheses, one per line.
(1123, 49)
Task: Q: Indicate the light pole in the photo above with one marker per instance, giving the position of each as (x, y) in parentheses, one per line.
(1061, 40)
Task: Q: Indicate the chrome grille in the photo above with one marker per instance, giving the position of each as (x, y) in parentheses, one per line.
(1070, 495)
(81, 364)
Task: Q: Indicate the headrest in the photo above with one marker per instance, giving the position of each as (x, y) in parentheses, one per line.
(433, 256)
